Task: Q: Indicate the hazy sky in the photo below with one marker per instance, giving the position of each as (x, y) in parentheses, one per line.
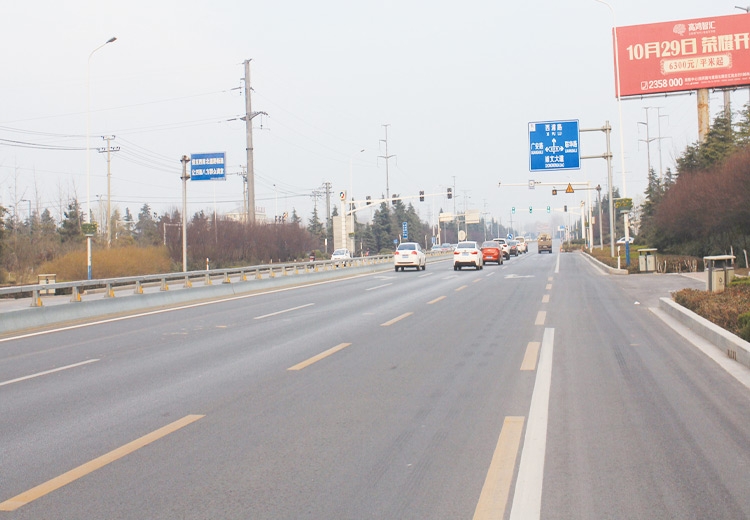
(457, 83)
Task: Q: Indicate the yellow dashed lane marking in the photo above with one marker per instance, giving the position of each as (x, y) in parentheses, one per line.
(394, 320)
(91, 466)
(532, 354)
(436, 300)
(540, 317)
(545, 298)
(494, 496)
(322, 355)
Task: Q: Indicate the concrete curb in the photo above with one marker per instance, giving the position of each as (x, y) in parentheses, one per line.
(610, 270)
(735, 347)
(33, 317)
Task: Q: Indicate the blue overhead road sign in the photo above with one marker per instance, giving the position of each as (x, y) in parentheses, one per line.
(553, 145)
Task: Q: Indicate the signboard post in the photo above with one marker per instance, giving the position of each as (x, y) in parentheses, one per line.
(553, 145)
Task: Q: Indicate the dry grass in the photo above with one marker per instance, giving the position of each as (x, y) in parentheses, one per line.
(110, 263)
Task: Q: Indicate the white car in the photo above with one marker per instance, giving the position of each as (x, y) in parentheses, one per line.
(504, 244)
(523, 247)
(341, 256)
(467, 254)
(622, 241)
(409, 254)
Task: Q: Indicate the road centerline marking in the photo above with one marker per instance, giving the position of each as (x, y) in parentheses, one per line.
(322, 355)
(396, 319)
(283, 311)
(436, 300)
(461, 288)
(527, 498)
(46, 372)
(494, 496)
(532, 353)
(545, 298)
(91, 466)
(540, 317)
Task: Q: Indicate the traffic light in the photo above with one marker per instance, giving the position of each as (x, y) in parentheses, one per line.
(548, 209)
(421, 196)
(531, 209)
(513, 210)
(450, 193)
(565, 208)
(369, 200)
(393, 199)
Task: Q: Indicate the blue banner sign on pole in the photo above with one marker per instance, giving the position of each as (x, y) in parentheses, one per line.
(404, 230)
(208, 166)
(553, 145)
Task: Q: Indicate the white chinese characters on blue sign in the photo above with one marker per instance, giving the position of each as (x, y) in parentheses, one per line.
(553, 145)
(207, 166)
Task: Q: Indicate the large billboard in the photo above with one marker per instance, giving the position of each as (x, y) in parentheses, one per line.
(683, 55)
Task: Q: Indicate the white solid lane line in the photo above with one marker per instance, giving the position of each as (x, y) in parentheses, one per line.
(24, 378)
(283, 311)
(527, 499)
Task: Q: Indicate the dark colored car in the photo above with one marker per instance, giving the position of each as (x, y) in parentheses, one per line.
(513, 247)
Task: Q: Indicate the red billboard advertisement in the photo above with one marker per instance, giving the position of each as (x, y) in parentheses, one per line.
(683, 55)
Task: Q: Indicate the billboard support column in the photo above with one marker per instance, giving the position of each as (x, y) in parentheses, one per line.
(704, 117)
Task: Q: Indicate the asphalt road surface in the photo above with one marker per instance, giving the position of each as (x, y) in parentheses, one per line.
(541, 388)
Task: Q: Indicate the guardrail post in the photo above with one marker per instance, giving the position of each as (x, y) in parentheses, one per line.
(36, 301)
(226, 277)
(75, 295)
(271, 273)
(138, 287)
(257, 274)
(243, 276)
(188, 283)
(164, 286)
(207, 279)
(110, 293)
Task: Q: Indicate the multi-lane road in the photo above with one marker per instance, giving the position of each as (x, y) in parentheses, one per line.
(541, 388)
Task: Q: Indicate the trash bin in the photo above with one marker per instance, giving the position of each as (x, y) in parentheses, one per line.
(45, 279)
(647, 260)
(720, 271)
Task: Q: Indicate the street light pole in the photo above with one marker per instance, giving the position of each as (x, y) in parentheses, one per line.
(626, 220)
(88, 152)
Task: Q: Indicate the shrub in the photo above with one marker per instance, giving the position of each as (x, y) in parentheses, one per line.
(110, 263)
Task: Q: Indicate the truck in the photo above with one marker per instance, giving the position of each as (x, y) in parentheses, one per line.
(544, 243)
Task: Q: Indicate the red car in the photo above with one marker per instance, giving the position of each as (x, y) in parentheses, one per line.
(492, 252)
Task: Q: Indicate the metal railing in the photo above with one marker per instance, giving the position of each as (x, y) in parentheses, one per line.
(187, 279)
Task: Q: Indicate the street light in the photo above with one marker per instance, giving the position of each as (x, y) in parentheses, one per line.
(622, 141)
(88, 149)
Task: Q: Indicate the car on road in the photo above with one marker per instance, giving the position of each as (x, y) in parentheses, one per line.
(409, 254)
(492, 252)
(504, 244)
(523, 247)
(622, 241)
(467, 254)
(341, 256)
(513, 247)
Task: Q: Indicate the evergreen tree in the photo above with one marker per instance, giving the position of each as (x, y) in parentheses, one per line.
(146, 229)
(70, 228)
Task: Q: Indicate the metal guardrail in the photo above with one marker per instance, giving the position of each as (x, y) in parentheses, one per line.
(207, 277)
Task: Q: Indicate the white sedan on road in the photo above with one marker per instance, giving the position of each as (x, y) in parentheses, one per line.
(409, 254)
(467, 254)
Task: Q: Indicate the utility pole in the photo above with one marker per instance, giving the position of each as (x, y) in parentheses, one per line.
(109, 149)
(386, 157)
(248, 119)
(647, 140)
(327, 187)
